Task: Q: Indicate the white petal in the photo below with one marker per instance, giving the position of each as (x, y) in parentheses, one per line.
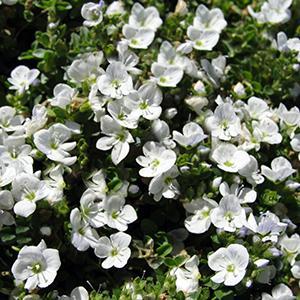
(24, 208)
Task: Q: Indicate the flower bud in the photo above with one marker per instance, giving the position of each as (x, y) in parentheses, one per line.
(239, 90)
(170, 113)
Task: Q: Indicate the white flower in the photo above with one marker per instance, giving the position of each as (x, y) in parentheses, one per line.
(38, 120)
(9, 121)
(266, 130)
(6, 203)
(46, 230)
(245, 195)
(295, 143)
(138, 38)
(187, 277)
(53, 143)
(279, 292)
(114, 249)
(199, 221)
(273, 11)
(281, 42)
(246, 139)
(290, 247)
(239, 90)
(289, 119)
(230, 264)
(55, 184)
(257, 108)
(251, 172)
(181, 8)
(123, 113)
(17, 154)
(284, 44)
(294, 45)
(215, 70)
(169, 56)
(117, 138)
(161, 131)
(196, 103)
(146, 101)
(229, 215)
(97, 102)
(165, 185)
(144, 17)
(224, 123)
(209, 20)
(91, 209)
(63, 95)
(229, 158)
(116, 82)
(86, 68)
(296, 270)
(268, 226)
(83, 236)
(21, 78)
(92, 13)
(170, 113)
(128, 58)
(78, 293)
(96, 182)
(166, 76)
(192, 135)
(7, 174)
(27, 190)
(156, 160)
(115, 8)
(117, 214)
(199, 101)
(280, 170)
(202, 40)
(38, 265)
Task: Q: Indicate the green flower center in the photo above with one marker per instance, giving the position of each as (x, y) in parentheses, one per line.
(229, 216)
(199, 43)
(30, 196)
(228, 163)
(95, 14)
(121, 116)
(163, 79)
(81, 231)
(121, 136)
(225, 124)
(53, 145)
(116, 83)
(143, 105)
(168, 180)
(114, 252)
(14, 154)
(230, 268)
(36, 268)
(205, 213)
(115, 214)
(155, 163)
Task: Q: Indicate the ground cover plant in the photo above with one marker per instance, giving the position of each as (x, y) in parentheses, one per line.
(149, 149)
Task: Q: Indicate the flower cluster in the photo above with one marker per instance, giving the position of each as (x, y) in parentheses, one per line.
(157, 155)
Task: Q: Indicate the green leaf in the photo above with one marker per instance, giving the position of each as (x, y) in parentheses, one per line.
(22, 229)
(223, 294)
(174, 262)
(24, 240)
(7, 237)
(164, 249)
